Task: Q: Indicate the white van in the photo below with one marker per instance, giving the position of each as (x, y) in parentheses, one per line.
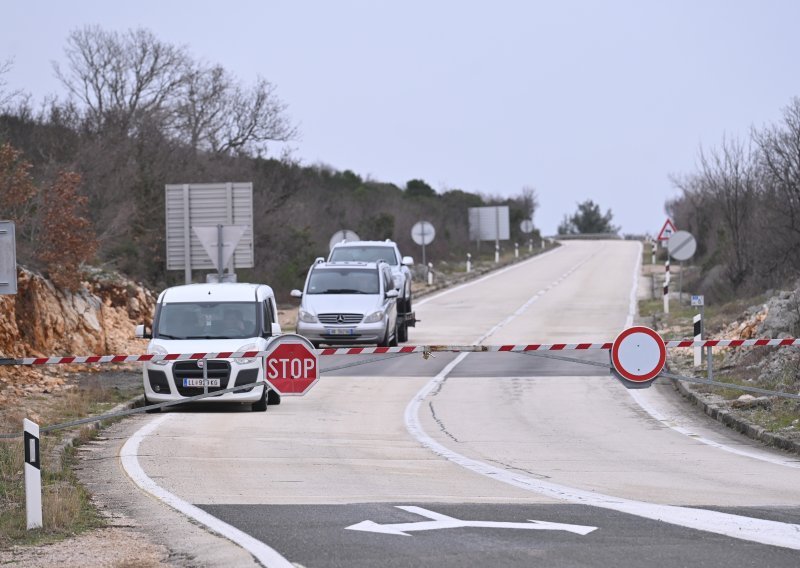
(210, 318)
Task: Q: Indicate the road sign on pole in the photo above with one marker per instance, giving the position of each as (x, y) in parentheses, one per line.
(666, 231)
(8, 258)
(526, 226)
(291, 365)
(423, 234)
(638, 355)
(343, 235)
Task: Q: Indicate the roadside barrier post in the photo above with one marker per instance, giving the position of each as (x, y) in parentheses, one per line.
(698, 336)
(33, 474)
(516, 250)
(430, 274)
(469, 262)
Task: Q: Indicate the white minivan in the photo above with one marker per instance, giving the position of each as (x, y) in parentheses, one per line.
(210, 318)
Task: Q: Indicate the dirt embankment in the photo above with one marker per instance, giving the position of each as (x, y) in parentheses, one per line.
(42, 320)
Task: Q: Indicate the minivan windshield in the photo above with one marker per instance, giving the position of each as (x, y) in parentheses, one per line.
(364, 254)
(343, 281)
(207, 320)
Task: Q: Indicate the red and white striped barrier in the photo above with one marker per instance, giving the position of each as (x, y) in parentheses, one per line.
(787, 342)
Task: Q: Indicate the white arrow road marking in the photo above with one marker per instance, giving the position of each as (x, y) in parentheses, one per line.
(439, 521)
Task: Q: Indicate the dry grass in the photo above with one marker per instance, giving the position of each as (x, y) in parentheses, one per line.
(66, 507)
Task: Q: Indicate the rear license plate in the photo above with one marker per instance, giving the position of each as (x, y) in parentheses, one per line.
(201, 382)
(340, 331)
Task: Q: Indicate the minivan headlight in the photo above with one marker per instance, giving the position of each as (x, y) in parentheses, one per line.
(306, 316)
(374, 317)
(246, 360)
(158, 350)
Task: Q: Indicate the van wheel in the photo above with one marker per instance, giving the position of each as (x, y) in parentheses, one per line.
(261, 405)
(273, 397)
(150, 410)
(402, 332)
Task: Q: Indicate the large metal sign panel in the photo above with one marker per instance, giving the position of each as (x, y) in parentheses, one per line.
(8, 258)
(207, 205)
(489, 223)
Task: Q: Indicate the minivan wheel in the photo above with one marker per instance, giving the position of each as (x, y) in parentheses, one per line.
(148, 404)
(261, 405)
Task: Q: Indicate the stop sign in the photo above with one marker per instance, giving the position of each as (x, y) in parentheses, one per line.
(291, 365)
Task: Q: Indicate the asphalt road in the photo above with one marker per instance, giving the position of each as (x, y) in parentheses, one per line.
(488, 438)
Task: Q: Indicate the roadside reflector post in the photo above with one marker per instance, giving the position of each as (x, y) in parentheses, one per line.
(652, 252)
(666, 296)
(430, 274)
(530, 246)
(516, 250)
(698, 336)
(496, 253)
(469, 262)
(33, 474)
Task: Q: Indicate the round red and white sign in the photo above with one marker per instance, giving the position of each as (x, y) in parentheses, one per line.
(638, 354)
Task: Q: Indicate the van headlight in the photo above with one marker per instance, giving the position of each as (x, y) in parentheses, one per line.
(158, 350)
(306, 316)
(374, 317)
(246, 360)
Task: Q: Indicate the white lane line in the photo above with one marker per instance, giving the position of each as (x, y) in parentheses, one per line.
(641, 398)
(266, 555)
(744, 528)
(488, 276)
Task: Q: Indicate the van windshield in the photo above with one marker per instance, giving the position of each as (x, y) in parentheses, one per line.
(364, 254)
(343, 281)
(207, 320)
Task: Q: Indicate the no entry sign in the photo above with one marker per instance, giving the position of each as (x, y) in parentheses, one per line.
(291, 365)
(638, 355)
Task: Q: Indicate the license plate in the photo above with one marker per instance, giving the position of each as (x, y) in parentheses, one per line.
(340, 331)
(201, 382)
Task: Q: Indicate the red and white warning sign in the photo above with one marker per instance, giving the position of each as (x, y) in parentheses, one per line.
(667, 230)
(638, 355)
(291, 365)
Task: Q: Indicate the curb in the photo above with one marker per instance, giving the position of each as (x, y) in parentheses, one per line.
(731, 421)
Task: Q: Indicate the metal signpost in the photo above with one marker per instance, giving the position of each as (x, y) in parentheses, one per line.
(681, 246)
(208, 205)
(8, 258)
(489, 224)
(526, 226)
(423, 234)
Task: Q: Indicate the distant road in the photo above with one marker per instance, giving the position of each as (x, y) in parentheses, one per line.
(487, 439)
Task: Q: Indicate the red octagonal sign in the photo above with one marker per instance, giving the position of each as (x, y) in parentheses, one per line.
(291, 364)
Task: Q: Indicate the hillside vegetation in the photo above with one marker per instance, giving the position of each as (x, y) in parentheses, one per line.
(142, 113)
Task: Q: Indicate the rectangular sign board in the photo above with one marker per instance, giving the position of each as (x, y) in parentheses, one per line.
(8, 258)
(207, 205)
(698, 300)
(489, 223)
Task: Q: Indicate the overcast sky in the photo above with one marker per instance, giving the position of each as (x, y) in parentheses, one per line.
(581, 100)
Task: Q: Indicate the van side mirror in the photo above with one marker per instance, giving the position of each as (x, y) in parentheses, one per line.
(408, 261)
(296, 294)
(142, 332)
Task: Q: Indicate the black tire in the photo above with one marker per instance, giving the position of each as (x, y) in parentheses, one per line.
(261, 405)
(384, 342)
(402, 332)
(150, 410)
(273, 397)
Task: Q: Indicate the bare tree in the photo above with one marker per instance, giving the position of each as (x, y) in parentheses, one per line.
(7, 97)
(120, 75)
